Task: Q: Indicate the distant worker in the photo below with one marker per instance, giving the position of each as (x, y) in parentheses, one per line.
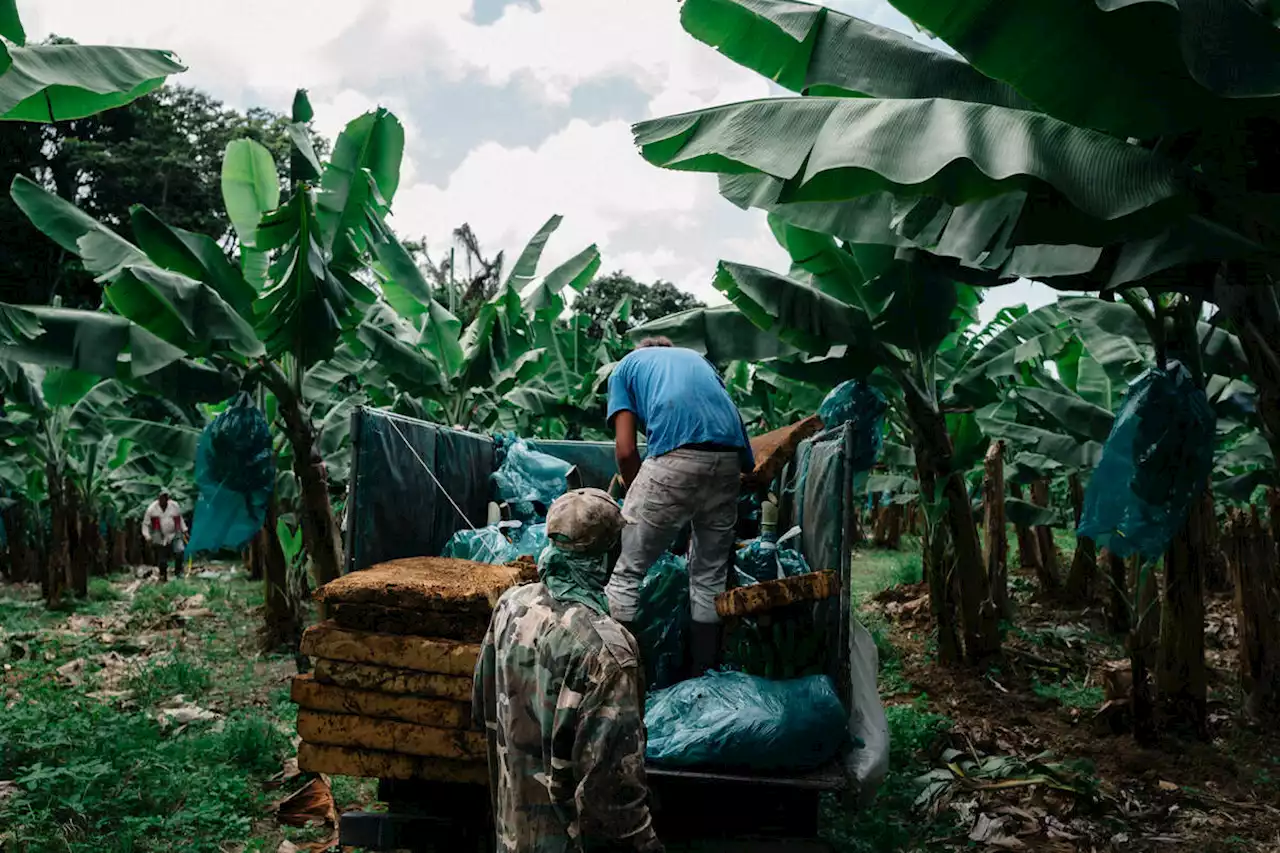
(697, 448)
(558, 691)
(165, 528)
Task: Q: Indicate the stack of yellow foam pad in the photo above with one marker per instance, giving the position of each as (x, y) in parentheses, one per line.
(396, 703)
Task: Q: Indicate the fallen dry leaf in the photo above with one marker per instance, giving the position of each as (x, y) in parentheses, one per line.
(287, 846)
(1167, 786)
(7, 790)
(312, 803)
(72, 671)
(287, 774)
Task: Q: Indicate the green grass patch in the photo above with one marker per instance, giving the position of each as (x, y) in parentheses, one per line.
(108, 776)
(1071, 694)
(875, 570)
(890, 822)
(170, 676)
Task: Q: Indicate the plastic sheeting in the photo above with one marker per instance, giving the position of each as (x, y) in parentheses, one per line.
(528, 480)
(395, 507)
(763, 560)
(731, 720)
(859, 404)
(662, 621)
(483, 545)
(1156, 461)
(235, 472)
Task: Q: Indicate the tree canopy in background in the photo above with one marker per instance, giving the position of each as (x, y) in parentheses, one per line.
(163, 151)
(648, 301)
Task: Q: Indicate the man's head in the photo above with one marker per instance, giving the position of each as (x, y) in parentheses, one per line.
(657, 341)
(164, 498)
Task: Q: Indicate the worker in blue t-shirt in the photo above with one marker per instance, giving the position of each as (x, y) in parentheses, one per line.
(697, 448)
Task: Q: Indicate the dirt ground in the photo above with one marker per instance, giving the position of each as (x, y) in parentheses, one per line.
(1037, 758)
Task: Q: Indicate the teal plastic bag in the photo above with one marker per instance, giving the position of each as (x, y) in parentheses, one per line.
(482, 545)
(662, 620)
(530, 540)
(734, 721)
(1156, 461)
(528, 480)
(857, 403)
(236, 476)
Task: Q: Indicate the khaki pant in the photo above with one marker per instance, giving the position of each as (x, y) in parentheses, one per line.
(694, 487)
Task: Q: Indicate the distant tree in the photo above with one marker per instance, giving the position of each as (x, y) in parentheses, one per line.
(464, 278)
(648, 301)
(163, 151)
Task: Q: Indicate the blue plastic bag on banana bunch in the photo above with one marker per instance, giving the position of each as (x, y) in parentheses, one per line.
(1156, 461)
(734, 721)
(236, 476)
(864, 406)
(527, 480)
(762, 559)
(662, 620)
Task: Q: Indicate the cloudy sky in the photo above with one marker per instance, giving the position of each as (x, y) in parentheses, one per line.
(513, 110)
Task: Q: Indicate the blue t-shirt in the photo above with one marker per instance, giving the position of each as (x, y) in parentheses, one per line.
(679, 399)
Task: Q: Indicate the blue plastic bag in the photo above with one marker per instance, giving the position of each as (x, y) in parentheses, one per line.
(528, 480)
(662, 620)
(857, 403)
(530, 540)
(731, 720)
(482, 545)
(1156, 461)
(236, 475)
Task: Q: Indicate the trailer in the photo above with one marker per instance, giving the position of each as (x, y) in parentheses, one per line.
(414, 484)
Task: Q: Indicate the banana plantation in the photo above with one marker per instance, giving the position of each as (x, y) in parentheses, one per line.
(1081, 498)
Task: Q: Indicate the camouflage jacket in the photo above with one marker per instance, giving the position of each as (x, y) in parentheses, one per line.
(557, 689)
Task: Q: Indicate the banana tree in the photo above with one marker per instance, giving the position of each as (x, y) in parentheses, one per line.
(1142, 170)
(58, 82)
(296, 289)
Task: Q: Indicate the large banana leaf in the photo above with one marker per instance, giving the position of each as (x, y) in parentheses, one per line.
(250, 187)
(575, 273)
(1143, 68)
(525, 268)
(48, 83)
(171, 442)
(11, 24)
(817, 51)
(1071, 412)
(308, 304)
(409, 293)
(103, 344)
(196, 256)
(998, 422)
(182, 311)
(836, 149)
(67, 225)
(1033, 337)
(363, 173)
(722, 334)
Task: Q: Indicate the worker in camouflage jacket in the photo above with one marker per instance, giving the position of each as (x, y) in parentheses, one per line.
(558, 690)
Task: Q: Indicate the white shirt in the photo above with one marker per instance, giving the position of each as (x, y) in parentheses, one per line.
(171, 522)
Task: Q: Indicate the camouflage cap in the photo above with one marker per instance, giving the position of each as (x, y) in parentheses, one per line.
(585, 521)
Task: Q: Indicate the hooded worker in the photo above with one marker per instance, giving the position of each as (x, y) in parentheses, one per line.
(697, 451)
(558, 690)
(164, 527)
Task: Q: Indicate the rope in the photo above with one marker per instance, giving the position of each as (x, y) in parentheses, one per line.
(430, 473)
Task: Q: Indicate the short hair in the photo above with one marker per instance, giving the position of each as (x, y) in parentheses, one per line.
(654, 342)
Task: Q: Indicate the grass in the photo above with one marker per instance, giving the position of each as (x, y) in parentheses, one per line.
(876, 570)
(1071, 694)
(107, 776)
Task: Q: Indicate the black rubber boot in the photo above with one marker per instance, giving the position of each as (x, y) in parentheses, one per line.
(704, 647)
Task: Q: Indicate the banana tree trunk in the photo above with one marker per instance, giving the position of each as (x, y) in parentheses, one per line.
(1142, 643)
(136, 554)
(995, 538)
(1251, 555)
(979, 617)
(19, 552)
(58, 563)
(1047, 571)
(1084, 565)
(78, 575)
(1117, 574)
(283, 625)
(94, 544)
(1182, 679)
(1028, 547)
(119, 549)
(887, 530)
(320, 534)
